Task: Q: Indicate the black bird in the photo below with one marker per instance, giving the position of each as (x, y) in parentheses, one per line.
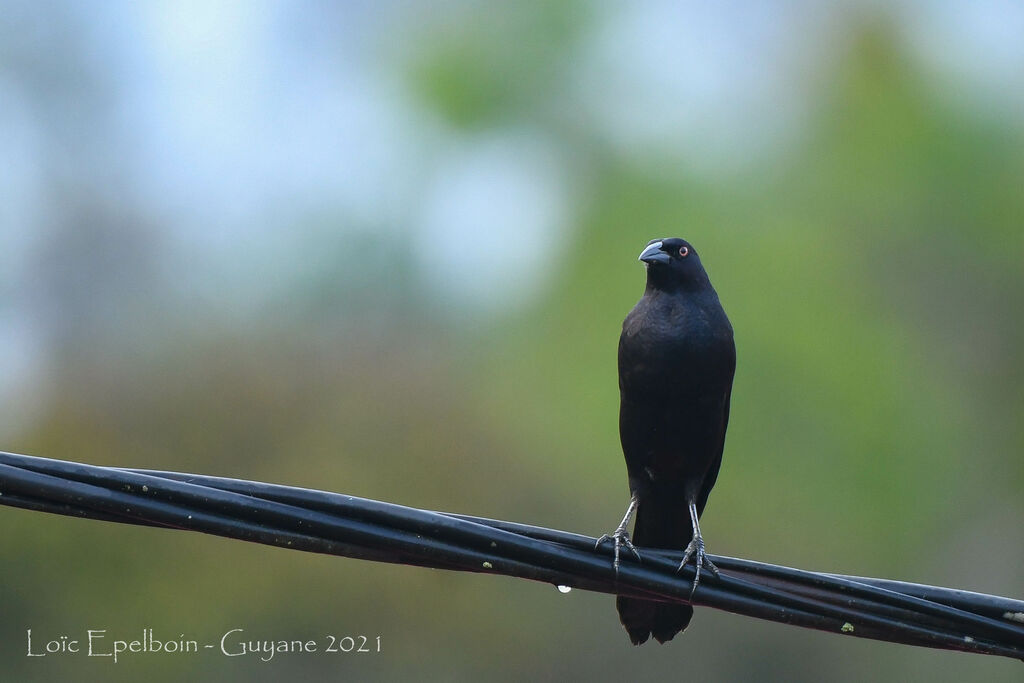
(676, 363)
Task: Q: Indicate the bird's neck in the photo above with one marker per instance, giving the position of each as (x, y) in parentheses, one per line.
(657, 286)
(669, 281)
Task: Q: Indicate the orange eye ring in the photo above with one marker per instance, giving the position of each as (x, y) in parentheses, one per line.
(684, 251)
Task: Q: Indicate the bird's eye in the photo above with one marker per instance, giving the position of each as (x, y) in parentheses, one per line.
(684, 251)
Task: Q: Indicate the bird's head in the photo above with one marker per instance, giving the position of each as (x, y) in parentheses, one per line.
(672, 263)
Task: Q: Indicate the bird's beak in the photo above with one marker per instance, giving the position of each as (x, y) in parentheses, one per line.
(654, 254)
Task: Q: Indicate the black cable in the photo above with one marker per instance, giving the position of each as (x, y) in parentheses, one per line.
(318, 521)
(888, 602)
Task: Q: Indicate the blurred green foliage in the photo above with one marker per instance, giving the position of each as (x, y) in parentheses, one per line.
(496, 62)
(873, 276)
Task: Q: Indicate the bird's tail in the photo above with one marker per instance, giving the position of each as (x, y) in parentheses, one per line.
(657, 526)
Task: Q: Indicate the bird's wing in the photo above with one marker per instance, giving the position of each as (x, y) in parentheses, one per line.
(712, 473)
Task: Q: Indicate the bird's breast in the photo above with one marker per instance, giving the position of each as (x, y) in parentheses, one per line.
(673, 352)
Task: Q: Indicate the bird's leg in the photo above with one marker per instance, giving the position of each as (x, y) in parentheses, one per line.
(696, 550)
(620, 535)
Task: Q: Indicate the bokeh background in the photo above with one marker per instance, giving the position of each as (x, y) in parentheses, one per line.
(384, 248)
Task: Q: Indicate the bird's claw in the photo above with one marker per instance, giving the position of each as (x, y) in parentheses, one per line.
(696, 550)
(621, 538)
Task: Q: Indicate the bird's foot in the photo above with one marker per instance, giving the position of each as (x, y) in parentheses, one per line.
(621, 538)
(696, 550)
